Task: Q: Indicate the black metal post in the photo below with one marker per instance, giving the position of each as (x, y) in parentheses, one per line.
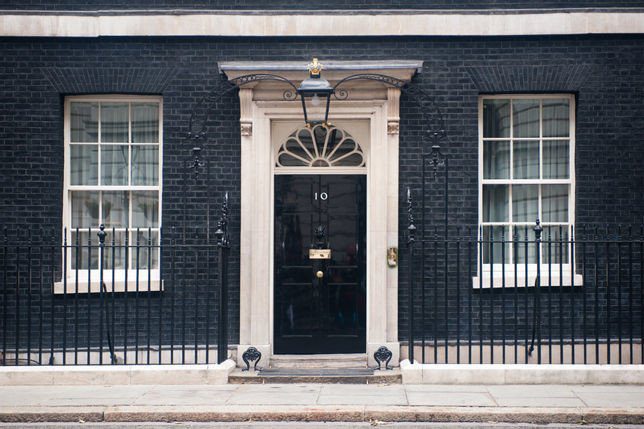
(538, 229)
(223, 244)
(101, 253)
(411, 239)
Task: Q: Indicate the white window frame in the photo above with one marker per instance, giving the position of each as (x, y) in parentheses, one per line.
(88, 280)
(493, 274)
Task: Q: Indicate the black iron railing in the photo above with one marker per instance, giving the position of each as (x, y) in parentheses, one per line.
(158, 299)
(544, 294)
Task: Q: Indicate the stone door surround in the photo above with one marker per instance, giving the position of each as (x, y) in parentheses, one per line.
(260, 105)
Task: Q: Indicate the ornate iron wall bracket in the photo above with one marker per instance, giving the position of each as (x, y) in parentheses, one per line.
(436, 159)
(411, 227)
(223, 239)
(383, 354)
(251, 355)
(197, 163)
(204, 109)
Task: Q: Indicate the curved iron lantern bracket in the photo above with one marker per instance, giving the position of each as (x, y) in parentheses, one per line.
(433, 120)
(433, 116)
(343, 94)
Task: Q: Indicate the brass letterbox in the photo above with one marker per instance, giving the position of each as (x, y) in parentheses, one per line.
(319, 253)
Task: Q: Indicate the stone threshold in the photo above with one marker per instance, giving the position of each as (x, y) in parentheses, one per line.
(322, 413)
(316, 375)
(520, 374)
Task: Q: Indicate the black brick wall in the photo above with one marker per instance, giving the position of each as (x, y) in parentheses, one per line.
(605, 72)
(313, 5)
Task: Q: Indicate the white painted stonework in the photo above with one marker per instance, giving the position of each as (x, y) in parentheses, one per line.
(520, 374)
(116, 374)
(367, 115)
(318, 23)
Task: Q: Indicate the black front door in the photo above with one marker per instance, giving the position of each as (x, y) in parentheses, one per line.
(320, 254)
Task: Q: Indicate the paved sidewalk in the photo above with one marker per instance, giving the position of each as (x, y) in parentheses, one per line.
(612, 404)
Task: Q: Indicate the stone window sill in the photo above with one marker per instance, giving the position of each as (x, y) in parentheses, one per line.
(153, 285)
(554, 280)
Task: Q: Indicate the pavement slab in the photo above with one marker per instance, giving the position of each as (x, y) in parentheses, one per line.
(537, 390)
(534, 404)
(466, 399)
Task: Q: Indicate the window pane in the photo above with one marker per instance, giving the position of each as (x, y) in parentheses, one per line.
(525, 203)
(556, 120)
(555, 203)
(526, 159)
(496, 245)
(145, 122)
(146, 249)
(526, 118)
(525, 245)
(145, 209)
(114, 119)
(114, 254)
(84, 164)
(496, 160)
(115, 209)
(555, 247)
(496, 118)
(84, 209)
(114, 165)
(556, 155)
(495, 203)
(145, 165)
(82, 253)
(84, 122)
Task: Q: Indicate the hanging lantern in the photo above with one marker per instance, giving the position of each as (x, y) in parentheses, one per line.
(315, 93)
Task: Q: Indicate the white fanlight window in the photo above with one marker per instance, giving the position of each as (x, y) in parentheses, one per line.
(113, 153)
(320, 146)
(526, 152)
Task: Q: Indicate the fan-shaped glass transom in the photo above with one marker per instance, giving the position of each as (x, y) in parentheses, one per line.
(320, 146)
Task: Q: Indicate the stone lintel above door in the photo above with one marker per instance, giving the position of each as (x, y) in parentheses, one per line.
(333, 71)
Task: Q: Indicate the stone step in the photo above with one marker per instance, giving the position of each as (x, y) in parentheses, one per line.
(332, 361)
(316, 375)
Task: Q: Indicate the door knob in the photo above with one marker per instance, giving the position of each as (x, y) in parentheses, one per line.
(319, 274)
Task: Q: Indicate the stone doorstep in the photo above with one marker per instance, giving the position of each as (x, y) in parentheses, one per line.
(357, 360)
(116, 375)
(322, 413)
(301, 376)
(520, 374)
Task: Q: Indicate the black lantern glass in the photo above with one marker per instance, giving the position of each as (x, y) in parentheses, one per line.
(315, 93)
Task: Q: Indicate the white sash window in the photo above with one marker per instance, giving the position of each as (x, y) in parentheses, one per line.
(113, 148)
(526, 171)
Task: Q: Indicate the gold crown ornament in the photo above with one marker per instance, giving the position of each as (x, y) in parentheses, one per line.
(315, 67)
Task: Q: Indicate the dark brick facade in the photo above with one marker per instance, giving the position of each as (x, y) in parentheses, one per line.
(606, 73)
